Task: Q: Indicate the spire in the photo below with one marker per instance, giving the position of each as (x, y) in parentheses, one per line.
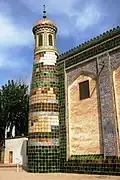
(44, 12)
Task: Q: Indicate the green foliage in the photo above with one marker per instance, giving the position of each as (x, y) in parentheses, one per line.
(14, 108)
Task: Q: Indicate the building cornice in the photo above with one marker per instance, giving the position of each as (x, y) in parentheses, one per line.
(97, 41)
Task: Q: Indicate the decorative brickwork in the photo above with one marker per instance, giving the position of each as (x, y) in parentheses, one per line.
(66, 133)
(96, 41)
(108, 113)
(62, 119)
(43, 143)
(101, 65)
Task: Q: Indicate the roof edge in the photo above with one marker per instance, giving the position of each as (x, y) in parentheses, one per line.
(93, 41)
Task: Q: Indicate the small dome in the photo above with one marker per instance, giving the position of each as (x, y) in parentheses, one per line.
(45, 22)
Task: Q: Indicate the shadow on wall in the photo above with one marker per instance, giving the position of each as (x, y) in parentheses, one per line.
(24, 153)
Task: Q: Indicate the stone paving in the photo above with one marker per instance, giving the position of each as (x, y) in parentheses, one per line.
(10, 175)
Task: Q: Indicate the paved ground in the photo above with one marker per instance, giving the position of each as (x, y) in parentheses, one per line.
(10, 175)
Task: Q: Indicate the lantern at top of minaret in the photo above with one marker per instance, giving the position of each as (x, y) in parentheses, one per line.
(45, 34)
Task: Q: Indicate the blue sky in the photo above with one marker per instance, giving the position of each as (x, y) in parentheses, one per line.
(77, 21)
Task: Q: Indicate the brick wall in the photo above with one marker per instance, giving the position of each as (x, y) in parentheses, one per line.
(116, 79)
(106, 96)
(83, 119)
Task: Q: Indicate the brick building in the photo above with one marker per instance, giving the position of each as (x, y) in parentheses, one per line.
(89, 99)
(74, 114)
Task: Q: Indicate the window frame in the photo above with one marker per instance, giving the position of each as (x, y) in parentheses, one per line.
(84, 95)
(40, 41)
(50, 41)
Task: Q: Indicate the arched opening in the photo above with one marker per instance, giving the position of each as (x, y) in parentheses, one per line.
(116, 77)
(50, 40)
(40, 40)
(83, 117)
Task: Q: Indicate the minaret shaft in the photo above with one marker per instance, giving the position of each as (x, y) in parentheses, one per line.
(43, 143)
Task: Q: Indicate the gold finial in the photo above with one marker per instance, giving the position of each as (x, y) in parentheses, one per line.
(44, 12)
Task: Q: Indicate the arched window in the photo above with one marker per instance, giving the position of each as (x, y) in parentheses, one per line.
(50, 40)
(40, 40)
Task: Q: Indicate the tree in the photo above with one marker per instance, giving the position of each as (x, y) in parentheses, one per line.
(2, 124)
(14, 108)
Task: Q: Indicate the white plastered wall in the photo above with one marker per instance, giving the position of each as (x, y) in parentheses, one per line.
(18, 146)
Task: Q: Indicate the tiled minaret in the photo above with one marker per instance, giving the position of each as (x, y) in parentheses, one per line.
(43, 142)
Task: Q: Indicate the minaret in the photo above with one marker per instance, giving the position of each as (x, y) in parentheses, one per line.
(43, 133)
